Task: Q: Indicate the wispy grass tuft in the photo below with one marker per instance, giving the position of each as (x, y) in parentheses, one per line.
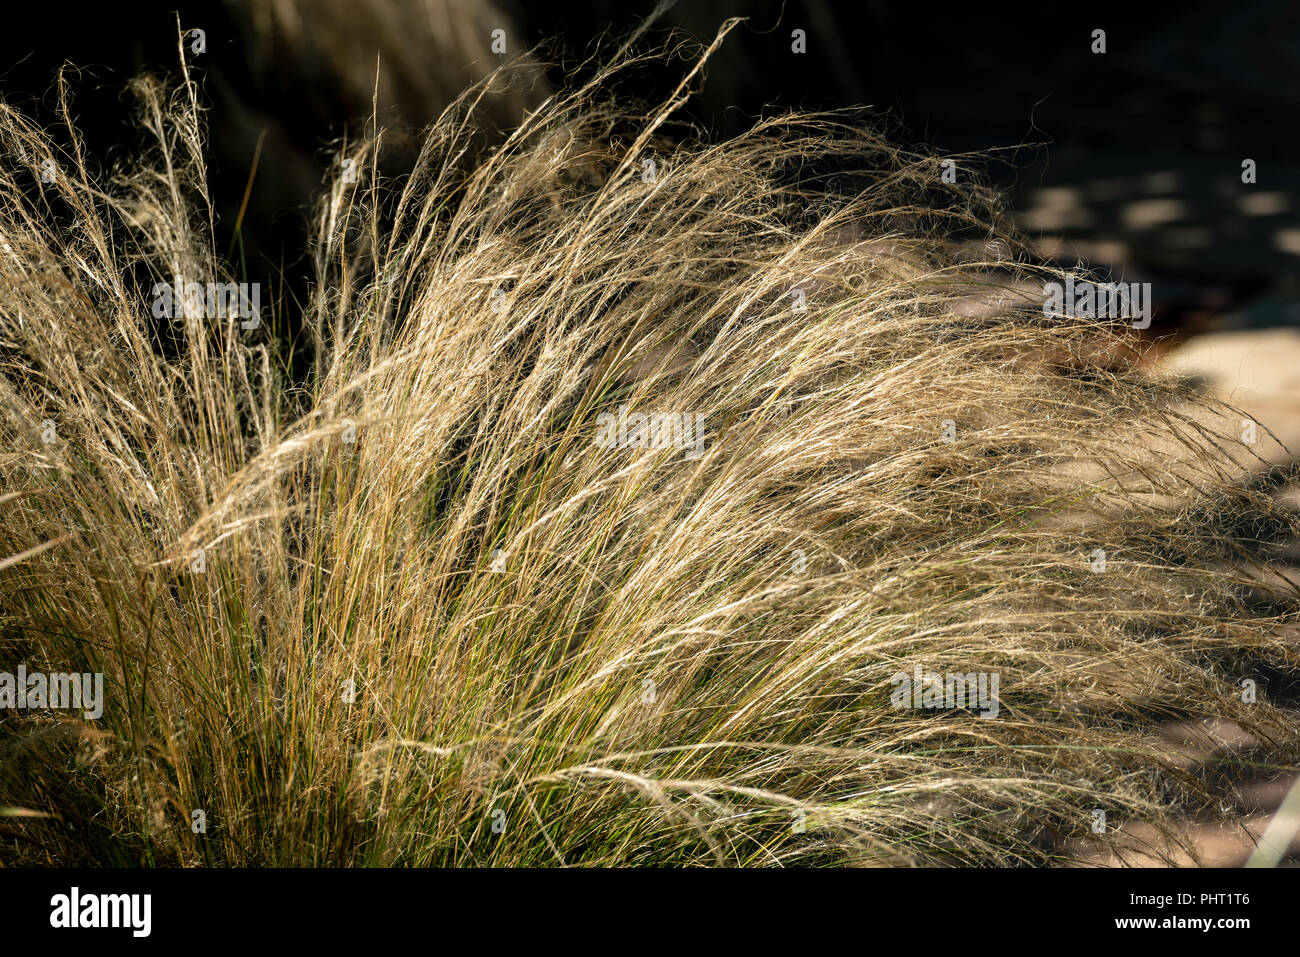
(438, 623)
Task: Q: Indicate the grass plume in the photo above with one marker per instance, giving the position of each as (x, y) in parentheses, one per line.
(437, 623)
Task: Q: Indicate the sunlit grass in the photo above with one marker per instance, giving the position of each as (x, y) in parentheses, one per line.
(680, 661)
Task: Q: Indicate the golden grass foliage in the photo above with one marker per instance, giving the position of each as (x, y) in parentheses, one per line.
(670, 660)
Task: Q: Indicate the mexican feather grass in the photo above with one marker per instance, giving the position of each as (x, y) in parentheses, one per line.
(405, 608)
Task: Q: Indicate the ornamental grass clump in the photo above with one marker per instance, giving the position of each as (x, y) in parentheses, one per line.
(616, 497)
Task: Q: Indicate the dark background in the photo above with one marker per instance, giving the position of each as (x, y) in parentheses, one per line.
(1128, 160)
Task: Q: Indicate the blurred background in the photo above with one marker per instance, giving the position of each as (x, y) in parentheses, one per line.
(1129, 160)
